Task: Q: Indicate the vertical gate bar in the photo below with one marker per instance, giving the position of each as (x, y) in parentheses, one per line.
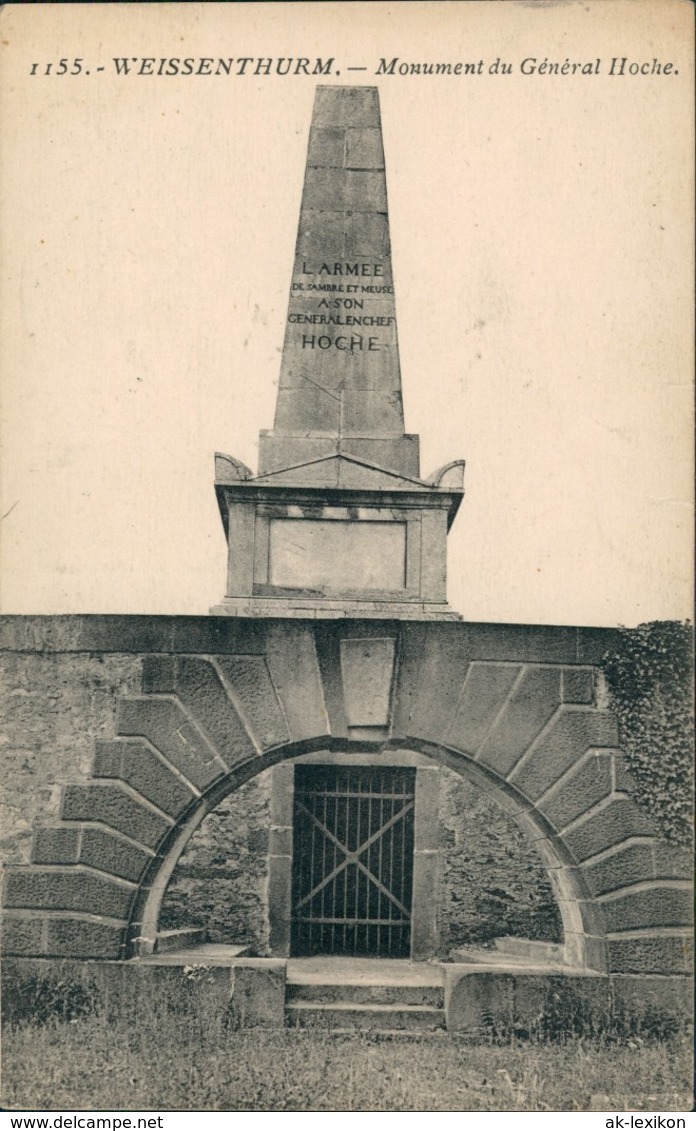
(402, 878)
(391, 873)
(356, 871)
(323, 874)
(346, 876)
(334, 882)
(379, 872)
(368, 892)
(312, 881)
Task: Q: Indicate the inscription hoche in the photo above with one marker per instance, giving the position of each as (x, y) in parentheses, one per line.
(354, 307)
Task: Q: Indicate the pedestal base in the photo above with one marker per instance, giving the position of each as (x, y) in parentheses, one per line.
(307, 609)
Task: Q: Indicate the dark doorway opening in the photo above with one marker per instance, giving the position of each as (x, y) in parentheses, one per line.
(353, 833)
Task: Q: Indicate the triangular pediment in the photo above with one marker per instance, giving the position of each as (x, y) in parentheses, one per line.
(341, 471)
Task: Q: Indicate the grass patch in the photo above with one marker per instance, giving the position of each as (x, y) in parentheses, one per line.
(199, 1062)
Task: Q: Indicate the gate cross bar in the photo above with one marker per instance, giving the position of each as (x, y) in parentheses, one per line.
(352, 857)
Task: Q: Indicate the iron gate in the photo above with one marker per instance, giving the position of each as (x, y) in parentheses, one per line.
(353, 860)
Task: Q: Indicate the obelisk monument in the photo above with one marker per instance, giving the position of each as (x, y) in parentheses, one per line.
(338, 521)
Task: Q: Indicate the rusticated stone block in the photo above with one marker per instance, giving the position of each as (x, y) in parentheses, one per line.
(110, 803)
(620, 820)
(572, 733)
(582, 789)
(652, 907)
(578, 685)
(201, 691)
(656, 954)
(630, 865)
(163, 722)
(486, 687)
(22, 934)
(83, 938)
(252, 687)
(529, 708)
(158, 675)
(56, 845)
(258, 993)
(69, 890)
(139, 765)
(107, 851)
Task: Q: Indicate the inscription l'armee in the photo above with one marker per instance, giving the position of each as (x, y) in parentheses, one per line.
(362, 269)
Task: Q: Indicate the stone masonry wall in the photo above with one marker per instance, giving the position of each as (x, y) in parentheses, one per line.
(221, 879)
(53, 707)
(150, 720)
(492, 882)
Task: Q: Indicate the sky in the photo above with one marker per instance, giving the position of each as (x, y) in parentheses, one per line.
(542, 236)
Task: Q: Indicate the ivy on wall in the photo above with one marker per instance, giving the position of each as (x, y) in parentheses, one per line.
(649, 676)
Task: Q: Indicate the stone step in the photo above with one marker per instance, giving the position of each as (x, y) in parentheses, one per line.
(366, 993)
(529, 948)
(351, 1015)
(180, 939)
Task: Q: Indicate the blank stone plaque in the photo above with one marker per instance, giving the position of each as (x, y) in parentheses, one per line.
(311, 553)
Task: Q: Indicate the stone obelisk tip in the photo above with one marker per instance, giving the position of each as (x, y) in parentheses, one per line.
(340, 381)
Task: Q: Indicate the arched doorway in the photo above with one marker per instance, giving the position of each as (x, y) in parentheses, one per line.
(389, 799)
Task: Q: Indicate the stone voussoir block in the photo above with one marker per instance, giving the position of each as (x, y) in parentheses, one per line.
(84, 938)
(531, 705)
(650, 907)
(673, 861)
(56, 844)
(651, 954)
(70, 889)
(22, 935)
(485, 690)
(111, 803)
(203, 694)
(105, 849)
(583, 788)
(620, 820)
(574, 731)
(144, 770)
(631, 864)
(164, 723)
(249, 680)
(578, 685)
(158, 675)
